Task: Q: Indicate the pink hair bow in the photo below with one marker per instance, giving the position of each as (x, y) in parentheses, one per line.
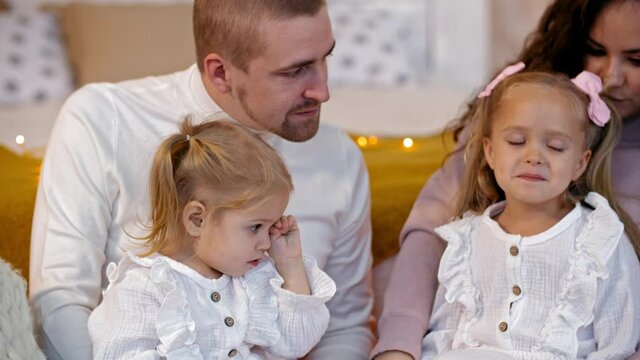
(508, 71)
(591, 85)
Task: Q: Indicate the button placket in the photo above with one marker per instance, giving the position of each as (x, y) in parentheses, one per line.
(512, 280)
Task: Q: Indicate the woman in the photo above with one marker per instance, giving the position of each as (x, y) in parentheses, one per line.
(573, 35)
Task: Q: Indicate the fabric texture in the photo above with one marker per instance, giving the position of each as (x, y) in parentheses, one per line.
(562, 294)
(100, 151)
(176, 315)
(33, 62)
(405, 316)
(16, 331)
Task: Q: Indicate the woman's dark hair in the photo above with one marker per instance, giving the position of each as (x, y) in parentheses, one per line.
(558, 45)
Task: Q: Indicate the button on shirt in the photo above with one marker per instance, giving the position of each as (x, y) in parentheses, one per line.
(520, 303)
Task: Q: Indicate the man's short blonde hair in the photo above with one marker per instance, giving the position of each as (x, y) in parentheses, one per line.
(231, 28)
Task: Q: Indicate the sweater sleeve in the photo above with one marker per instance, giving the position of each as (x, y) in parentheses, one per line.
(411, 291)
(349, 335)
(302, 319)
(69, 235)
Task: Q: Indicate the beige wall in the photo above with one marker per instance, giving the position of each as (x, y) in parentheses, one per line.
(511, 22)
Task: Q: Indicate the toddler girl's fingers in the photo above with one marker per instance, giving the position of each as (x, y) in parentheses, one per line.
(293, 223)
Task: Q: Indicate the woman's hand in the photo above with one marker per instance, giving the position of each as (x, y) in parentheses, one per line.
(286, 252)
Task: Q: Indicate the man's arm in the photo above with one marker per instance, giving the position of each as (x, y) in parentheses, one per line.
(411, 290)
(71, 221)
(349, 335)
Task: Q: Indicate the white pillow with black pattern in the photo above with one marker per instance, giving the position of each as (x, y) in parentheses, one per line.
(377, 45)
(33, 64)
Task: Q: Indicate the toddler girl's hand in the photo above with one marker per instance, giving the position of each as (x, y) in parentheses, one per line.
(286, 252)
(285, 241)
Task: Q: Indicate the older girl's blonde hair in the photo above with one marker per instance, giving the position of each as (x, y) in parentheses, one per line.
(219, 163)
(479, 187)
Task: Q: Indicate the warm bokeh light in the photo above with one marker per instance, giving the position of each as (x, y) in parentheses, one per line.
(407, 143)
(19, 139)
(362, 141)
(373, 140)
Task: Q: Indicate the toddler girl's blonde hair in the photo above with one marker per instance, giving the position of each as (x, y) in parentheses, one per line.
(217, 162)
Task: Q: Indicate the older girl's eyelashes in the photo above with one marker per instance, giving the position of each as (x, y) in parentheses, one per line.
(556, 148)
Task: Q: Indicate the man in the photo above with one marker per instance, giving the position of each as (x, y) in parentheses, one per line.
(264, 64)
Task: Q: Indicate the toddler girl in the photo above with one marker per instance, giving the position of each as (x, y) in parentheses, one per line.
(539, 265)
(205, 288)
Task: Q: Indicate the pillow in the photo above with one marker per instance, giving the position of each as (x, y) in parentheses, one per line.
(120, 42)
(378, 44)
(33, 62)
(396, 176)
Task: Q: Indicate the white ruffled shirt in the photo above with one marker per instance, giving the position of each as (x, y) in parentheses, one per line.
(570, 292)
(156, 307)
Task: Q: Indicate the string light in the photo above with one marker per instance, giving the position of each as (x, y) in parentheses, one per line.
(407, 143)
(362, 141)
(19, 139)
(373, 140)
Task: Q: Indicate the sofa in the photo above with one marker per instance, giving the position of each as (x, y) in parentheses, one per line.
(112, 42)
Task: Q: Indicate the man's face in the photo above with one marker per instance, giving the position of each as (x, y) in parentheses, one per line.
(283, 88)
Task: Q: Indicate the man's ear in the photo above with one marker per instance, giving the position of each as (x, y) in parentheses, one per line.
(216, 71)
(193, 218)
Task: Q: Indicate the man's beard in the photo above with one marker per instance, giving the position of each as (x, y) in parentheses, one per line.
(291, 130)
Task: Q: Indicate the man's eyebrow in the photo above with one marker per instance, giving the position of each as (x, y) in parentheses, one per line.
(306, 62)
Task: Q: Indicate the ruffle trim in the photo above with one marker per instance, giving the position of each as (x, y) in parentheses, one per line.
(262, 327)
(455, 275)
(174, 325)
(594, 247)
(265, 292)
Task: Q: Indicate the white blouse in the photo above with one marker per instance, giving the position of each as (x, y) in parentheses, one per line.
(571, 292)
(156, 307)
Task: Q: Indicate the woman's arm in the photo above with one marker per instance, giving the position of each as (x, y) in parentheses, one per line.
(413, 283)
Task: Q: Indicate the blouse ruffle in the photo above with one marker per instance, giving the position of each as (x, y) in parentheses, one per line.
(455, 275)
(175, 326)
(265, 293)
(594, 246)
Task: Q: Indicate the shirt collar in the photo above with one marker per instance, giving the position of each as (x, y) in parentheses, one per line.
(550, 233)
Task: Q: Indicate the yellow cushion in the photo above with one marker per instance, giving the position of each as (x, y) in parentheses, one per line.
(18, 184)
(397, 174)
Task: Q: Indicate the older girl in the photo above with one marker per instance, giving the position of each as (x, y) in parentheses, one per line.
(602, 36)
